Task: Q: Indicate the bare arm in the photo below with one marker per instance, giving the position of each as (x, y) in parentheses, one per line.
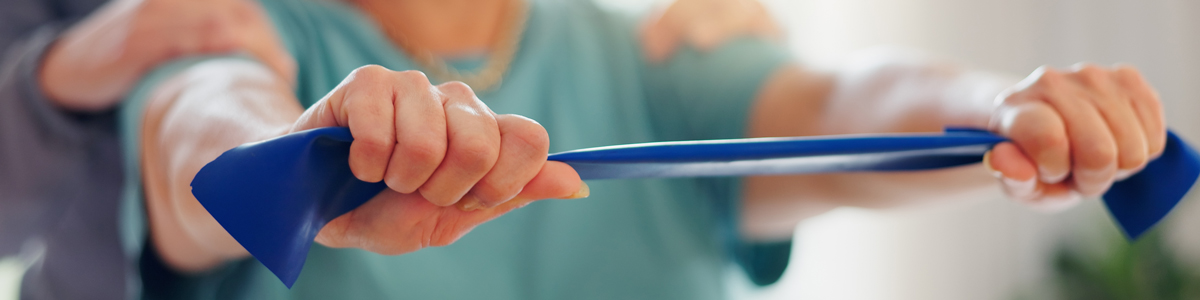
(190, 120)
(450, 162)
(881, 93)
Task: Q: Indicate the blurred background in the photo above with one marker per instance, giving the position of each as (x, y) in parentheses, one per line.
(992, 248)
(986, 248)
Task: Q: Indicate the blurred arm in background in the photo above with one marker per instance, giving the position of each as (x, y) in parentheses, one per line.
(1073, 131)
(63, 70)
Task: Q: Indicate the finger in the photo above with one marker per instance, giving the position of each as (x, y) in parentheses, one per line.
(555, 180)
(323, 113)
(1039, 132)
(217, 31)
(367, 109)
(420, 126)
(1148, 108)
(473, 145)
(1054, 197)
(391, 223)
(659, 39)
(524, 146)
(1016, 171)
(1093, 149)
(726, 19)
(1116, 109)
(1017, 175)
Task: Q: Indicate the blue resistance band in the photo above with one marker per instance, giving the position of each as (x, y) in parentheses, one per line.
(274, 196)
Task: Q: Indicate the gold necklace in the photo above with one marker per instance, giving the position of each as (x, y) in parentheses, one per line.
(498, 60)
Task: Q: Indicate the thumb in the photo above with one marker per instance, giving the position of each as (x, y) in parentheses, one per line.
(556, 180)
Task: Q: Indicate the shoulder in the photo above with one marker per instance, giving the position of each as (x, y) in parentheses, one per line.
(584, 21)
(301, 22)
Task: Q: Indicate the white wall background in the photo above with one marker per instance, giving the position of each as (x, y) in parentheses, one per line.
(982, 248)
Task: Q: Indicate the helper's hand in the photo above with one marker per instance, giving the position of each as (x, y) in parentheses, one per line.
(1075, 132)
(98, 60)
(434, 146)
(704, 24)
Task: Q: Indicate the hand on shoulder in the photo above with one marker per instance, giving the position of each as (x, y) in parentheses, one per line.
(703, 24)
(94, 63)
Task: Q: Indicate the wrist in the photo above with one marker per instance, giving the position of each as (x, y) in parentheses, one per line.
(974, 97)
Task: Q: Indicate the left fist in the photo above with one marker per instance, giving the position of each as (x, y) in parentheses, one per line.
(1074, 132)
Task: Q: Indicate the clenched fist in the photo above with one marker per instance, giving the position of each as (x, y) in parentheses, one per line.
(435, 147)
(1075, 131)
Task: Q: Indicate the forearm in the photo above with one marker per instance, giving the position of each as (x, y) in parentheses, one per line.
(190, 120)
(893, 91)
(876, 93)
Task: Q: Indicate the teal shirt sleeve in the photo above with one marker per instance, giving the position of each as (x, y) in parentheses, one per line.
(708, 95)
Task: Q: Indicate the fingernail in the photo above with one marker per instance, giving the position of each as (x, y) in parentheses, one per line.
(1089, 176)
(1047, 177)
(470, 203)
(1052, 204)
(987, 164)
(1125, 174)
(1020, 188)
(583, 192)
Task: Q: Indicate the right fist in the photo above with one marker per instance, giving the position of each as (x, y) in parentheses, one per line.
(434, 146)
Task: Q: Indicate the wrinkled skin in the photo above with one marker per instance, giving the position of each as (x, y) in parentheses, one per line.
(434, 146)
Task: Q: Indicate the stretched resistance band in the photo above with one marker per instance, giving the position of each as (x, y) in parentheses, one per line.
(274, 196)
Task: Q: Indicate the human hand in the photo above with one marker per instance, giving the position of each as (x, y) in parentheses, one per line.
(704, 24)
(1074, 132)
(99, 59)
(434, 146)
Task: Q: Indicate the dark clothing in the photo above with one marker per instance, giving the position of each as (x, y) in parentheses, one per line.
(60, 172)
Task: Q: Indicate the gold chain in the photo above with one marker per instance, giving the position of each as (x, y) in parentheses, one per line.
(498, 60)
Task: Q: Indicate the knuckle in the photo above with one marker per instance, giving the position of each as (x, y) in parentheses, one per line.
(495, 191)
(376, 144)
(475, 155)
(1098, 158)
(1050, 79)
(1049, 140)
(457, 88)
(530, 133)
(368, 77)
(412, 77)
(1092, 73)
(370, 72)
(1132, 159)
(1128, 73)
(426, 151)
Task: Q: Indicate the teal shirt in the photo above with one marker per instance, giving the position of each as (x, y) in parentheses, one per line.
(579, 72)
